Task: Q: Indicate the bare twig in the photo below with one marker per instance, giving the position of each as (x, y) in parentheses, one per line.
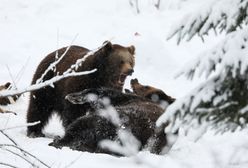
(43, 84)
(20, 126)
(57, 45)
(157, 5)
(73, 161)
(24, 151)
(9, 165)
(7, 136)
(136, 6)
(52, 66)
(20, 73)
(22, 157)
(15, 145)
(6, 111)
(11, 76)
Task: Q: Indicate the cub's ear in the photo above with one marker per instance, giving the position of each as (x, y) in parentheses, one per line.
(131, 49)
(107, 47)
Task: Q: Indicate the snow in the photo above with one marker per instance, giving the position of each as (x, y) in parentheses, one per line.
(29, 30)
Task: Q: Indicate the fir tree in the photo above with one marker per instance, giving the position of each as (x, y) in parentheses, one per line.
(222, 101)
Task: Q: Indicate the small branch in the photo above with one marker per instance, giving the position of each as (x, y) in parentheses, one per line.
(28, 161)
(72, 162)
(22, 150)
(11, 76)
(57, 45)
(6, 111)
(25, 153)
(6, 135)
(136, 5)
(20, 73)
(9, 165)
(20, 126)
(157, 5)
(52, 66)
(34, 87)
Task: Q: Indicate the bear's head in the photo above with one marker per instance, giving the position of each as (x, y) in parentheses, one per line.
(156, 95)
(115, 63)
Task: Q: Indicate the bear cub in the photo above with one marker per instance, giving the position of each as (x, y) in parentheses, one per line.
(134, 113)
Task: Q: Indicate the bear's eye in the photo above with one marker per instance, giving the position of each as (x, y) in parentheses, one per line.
(147, 87)
(122, 62)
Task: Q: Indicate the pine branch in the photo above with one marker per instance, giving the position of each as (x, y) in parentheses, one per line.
(211, 16)
(222, 102)
(230, 52)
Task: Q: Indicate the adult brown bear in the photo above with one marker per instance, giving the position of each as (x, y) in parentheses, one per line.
(113, 63)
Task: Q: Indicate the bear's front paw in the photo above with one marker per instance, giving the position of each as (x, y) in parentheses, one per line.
(56, 142)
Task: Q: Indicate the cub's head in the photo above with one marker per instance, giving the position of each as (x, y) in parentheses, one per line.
(117, 62)
(150, 92)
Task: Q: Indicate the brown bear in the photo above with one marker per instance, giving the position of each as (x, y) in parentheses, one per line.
(113, 63)
(137, 114)
(9, 99)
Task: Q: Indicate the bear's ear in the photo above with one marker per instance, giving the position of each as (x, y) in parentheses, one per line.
(131, 49)
(107, 47)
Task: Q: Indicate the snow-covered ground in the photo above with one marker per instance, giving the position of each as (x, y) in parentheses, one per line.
(30, 29)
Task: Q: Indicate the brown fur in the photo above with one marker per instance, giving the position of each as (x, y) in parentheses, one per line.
(113, 64)
(2, 111)
(150, 92)
(4, 100)
(7, 100)
(137, 114)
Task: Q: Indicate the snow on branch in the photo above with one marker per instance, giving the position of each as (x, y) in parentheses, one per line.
(53, 65)
(49, 82)
(218, 15)
(70, 72)
(231, 52)
(221, 101)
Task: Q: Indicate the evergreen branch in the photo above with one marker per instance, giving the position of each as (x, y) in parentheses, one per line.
(210, 17)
